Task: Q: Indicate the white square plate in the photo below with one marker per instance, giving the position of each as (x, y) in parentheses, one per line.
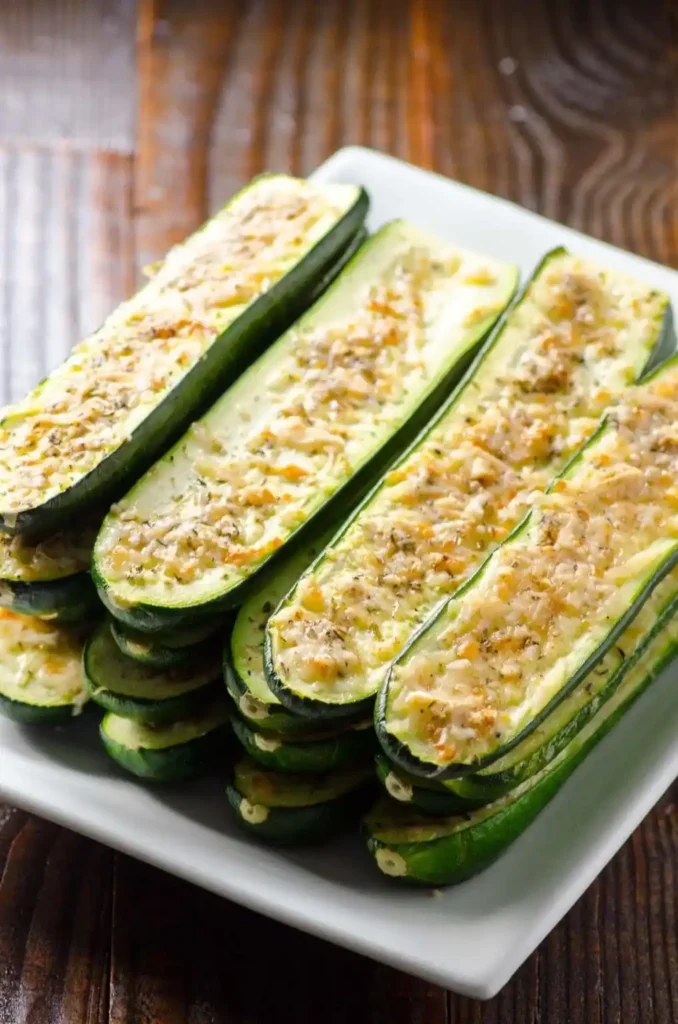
(471, 938)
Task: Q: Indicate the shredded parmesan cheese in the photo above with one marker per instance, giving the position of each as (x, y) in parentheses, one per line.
(63, 554)
(573, 344)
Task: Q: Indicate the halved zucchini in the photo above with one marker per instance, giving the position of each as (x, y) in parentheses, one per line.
(576, 339)
(555, 732)
(41, 681)
(50, 579)
(413, 847)
(531, 625)
(91, 427)
(320, 413)
(145, 694)
(285, 809)
(168, 753)
(317, 753)
(171, 652)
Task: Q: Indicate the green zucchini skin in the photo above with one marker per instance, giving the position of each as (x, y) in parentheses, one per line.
(171, 764)
(429, 798)
(294, 826)
(322, 709)
(148, 617)
(222, 363)
(284, 809)
(323, 754)
(452, 850)
(70, 600)
(102, 662)
(157, 655)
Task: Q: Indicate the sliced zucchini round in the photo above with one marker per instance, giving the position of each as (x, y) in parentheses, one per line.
(285, 809)
(321, 752)
(168, 753)
(298, 484)
(49, 579)
(125, 687)
(41, 679)
(422, 794)
(170, 653)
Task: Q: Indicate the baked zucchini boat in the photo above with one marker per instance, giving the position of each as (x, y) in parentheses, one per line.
(416, 848)
(41, 680)
(555, 732)
(50, 578)
(285, 809)
(173, 752)
(90, 428)
(545, 608)
(317, 753)
(153, 696)
(576, 339)
(301, 431)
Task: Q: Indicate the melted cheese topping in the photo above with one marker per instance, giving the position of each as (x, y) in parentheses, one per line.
(39, 663)
(302, 421)
(115, 378)
(577, 339)
(497, 655)
(63, 554)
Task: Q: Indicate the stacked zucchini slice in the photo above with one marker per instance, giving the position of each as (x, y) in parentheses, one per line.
(456, 560)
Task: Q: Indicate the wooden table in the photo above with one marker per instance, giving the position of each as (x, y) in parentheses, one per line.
(121, 124)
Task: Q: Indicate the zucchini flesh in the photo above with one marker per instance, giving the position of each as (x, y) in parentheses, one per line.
(317, 754)
(130, 689)
(41, 679)
(286, 809)
(173, 752)
(417, 848)
(494, 662)
(320, 413)
(49, 579)
(577, 338)
(216, 301)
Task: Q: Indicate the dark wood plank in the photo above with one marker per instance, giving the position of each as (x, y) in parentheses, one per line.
(65, 259)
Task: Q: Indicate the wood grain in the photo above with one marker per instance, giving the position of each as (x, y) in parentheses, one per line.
(570, 109)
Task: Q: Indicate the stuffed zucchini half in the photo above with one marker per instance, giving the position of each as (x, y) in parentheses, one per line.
(89, 429)
(576, 339)
(449, 850)
(50, 579)
(41, 681)
(559, 728)
(146, 694)
(544, 609)
(301, 432)
(287, 809)
(172, 752)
